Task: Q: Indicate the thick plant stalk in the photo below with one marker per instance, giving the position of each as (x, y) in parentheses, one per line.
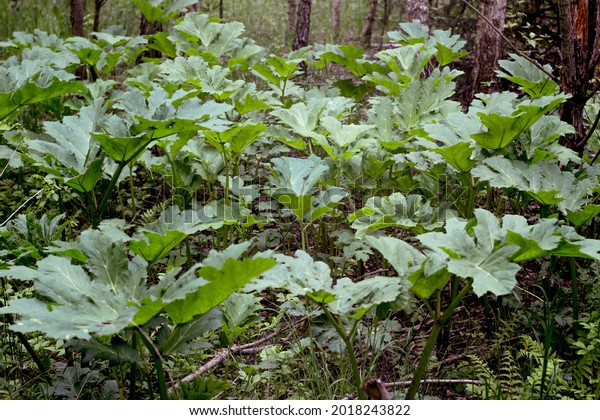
(107, 193)
(438, 324)
(347, 338)
(158, 366)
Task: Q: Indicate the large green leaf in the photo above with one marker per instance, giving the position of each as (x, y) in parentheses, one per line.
(355, 299)
(532, 80)
(236, 139)
(544, 181)
(156, 240)
(484, 255)
(299, 274)
(303, 119)
(31, 82)
(68, 149)
(222, 282)
(209, 34)
(547, 237)
(412, 212)
(503, 129)
(81, 305)
(296, 176)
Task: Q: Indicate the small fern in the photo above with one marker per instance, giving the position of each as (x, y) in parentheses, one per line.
(151, 215)
(586, 373)
(553, 383)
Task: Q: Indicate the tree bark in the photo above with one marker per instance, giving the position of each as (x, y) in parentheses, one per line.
(97, 7)
(336, 11)
(579, 22)
(77, 13)
(290, 18)
(418, 10)
(367, 30)
(302, 24)
(385, 18)
(195, 7)
(147, 28)
(488, 43)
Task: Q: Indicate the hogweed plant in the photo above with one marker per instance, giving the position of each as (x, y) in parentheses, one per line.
(381, 172)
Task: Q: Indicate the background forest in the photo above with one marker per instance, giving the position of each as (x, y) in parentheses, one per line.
(299, 199)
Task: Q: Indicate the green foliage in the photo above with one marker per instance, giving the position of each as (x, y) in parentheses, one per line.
(220, 144)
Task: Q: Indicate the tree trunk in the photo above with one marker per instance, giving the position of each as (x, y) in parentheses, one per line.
(220, 9)
(367, 30)
(77, 13)
(302, 24)
(488, 43)
(290, 18)
(195, 7)
(418, 10)
(579, 22)
(147, 28)
(336, 11)
(385, 19)
(97, 6)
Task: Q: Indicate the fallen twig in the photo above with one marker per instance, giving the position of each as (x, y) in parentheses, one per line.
(248, 348)
(436, 381)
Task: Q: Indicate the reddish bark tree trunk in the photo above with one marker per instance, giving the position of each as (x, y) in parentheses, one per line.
(77, 13)
(302, 24)
(579, 33)
(367, 30)
(488, 48)
(417, 10)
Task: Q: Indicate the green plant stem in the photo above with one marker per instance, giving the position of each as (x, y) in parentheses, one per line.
(158, 366)
(133, 372)
(547, 341)
(38, 362)
(132, 192)
(438, 324)
(283, 89)
(188, 253)
(107, 193)
(574, 296)
(347, 338)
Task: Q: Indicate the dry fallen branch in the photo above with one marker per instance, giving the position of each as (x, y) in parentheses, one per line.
(436, 381)
(248, 348)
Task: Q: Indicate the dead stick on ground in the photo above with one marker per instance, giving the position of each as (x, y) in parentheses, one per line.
(436, 381)
(249, 348)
